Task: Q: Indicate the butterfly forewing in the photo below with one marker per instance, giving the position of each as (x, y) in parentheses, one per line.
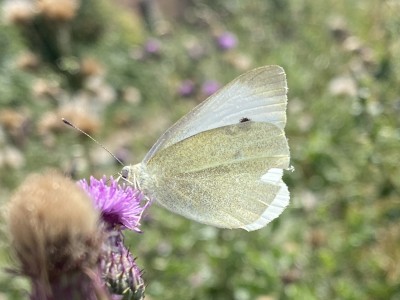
(214, 177)
(258, 95)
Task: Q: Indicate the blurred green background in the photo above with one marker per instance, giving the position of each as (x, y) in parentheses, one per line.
(126, 70)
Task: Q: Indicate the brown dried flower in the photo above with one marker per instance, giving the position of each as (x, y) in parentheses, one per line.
(59, 10)
(18, 12)
(55, 234)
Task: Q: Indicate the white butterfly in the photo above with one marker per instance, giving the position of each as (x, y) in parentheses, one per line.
(222, 163)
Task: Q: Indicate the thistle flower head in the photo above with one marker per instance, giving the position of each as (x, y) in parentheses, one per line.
(186, 88)
(55, 236)
(18, 12)
(62, 245)
(119, 205)
(227, 41)
(210, 87)
(152, 47)
(59, 10)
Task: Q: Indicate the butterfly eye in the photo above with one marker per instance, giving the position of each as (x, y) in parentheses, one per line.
(125, 172)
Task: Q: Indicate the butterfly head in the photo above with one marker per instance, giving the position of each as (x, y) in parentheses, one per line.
(125, 173)
(133, 174)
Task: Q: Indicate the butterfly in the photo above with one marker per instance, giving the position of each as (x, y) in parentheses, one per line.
(222, 163)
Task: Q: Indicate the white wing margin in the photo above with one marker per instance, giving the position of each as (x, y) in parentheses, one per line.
(278, 205)
(258, 95)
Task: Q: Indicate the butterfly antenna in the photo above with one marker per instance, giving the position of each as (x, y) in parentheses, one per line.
(88, 135)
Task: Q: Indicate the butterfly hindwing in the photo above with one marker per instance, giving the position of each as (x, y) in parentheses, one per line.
(227, 177)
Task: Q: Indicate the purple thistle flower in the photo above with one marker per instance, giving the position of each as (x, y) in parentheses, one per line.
(120, 205)
(186, 88)
(227, 41)
(152, 46)
(210, 87)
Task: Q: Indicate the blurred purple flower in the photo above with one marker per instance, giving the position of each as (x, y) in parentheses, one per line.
(152, 46)
(119, 205)
(227, 40)
(210, 87)
(186, 88)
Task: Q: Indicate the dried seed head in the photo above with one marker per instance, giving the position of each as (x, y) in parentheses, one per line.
(28, 61)
(54, 228)
(18, 12)
(59, 10)
(80, 117)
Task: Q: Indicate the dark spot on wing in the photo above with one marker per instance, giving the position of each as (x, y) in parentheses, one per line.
(242, 120)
